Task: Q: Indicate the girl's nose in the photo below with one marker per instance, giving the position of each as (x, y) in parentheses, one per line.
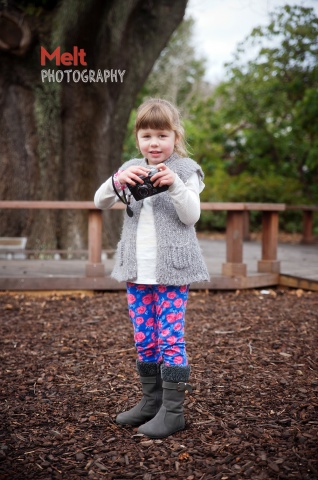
(154, 141)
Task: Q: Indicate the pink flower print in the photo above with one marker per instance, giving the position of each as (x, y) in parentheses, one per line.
(141, 309)
(162, 288)
(179, 315)
(141, 287)
(183, 288)
(177, 326)
(150, 322)
(148, 353)
(171, 317)
(156, 297)
(177, 303)
(165, 332)
(139, 337)
(131, 298)
(159, 324)
(153, 336)
(139, 320)
(178, 360)
(171, 340)
(176, 349)
(171, 295)
(131, 313)
(166, 304)
(158, 310)
(169, 352)
(185, 303)
(146, 299)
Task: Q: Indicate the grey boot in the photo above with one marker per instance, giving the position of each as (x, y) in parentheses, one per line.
(170, 418)
(151, 400)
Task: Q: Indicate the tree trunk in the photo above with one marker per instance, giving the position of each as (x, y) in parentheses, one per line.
(60, 141)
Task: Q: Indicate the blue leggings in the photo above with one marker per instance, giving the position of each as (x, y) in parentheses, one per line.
(157, 313)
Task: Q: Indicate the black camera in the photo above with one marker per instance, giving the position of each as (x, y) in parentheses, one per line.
(146, 189)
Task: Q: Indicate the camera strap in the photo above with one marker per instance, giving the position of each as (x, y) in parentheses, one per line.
(123, 199)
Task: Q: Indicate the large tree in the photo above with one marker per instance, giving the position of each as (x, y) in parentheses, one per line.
(60, 140)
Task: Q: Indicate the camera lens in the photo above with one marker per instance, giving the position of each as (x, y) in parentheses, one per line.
(143, 191)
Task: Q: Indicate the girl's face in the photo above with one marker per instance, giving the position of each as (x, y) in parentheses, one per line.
(156, 145)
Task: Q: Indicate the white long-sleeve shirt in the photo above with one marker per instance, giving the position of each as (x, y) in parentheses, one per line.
(186, 199)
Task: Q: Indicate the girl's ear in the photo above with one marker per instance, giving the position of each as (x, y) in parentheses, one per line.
(177, 139)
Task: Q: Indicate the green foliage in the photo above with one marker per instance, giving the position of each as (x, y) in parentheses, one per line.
(204, 133)
(245, 187)
(256, 133)
(176, 76)
(270, 107)
(130, 149)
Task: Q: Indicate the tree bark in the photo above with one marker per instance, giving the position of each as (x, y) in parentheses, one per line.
(60, 141)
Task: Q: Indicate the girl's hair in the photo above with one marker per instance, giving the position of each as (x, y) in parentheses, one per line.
(160, 114)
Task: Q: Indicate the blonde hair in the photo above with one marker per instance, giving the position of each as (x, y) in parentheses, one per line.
(160, 114)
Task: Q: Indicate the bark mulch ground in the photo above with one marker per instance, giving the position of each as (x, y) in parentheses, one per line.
(68, 367)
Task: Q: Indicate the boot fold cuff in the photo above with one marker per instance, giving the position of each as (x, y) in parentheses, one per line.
(175, 373)
(180, 386)
(147, 369)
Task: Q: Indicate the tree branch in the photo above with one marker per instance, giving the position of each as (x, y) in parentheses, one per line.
(15, 33)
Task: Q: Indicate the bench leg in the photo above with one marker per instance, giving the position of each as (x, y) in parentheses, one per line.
(95, 267)
(234, 245)
(269, 263)
(308, 237)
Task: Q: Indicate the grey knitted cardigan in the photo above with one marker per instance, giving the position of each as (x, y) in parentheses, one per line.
(179, 258)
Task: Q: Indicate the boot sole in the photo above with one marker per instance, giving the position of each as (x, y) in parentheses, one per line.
(137, 424)
(154, 437)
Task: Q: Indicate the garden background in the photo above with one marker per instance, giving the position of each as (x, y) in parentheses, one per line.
(254, 133)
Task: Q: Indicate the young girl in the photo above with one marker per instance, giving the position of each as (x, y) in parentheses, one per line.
(158, 256)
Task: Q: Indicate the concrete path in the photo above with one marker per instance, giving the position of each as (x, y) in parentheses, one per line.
(296, 260)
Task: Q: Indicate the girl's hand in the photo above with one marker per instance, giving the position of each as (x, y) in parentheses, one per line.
(164, 177)
(131, 175)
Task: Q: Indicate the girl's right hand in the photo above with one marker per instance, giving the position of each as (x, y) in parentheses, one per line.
(131, 175)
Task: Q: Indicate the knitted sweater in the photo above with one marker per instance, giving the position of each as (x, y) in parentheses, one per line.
(179, 258)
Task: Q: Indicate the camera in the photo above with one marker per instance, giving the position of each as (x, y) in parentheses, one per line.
(146, 189)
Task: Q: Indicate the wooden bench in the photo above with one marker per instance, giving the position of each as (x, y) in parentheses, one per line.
(235, 227)
(94, 267)
(308, 221)
(234, 270)
(13, 247)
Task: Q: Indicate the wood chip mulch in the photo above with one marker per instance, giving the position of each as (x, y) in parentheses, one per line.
(67, 368)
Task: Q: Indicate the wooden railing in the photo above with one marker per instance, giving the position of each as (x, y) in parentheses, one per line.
(234, 264)
(308, 221)
(235, 227)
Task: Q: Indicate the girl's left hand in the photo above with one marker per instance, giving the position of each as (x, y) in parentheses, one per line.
(164, 177)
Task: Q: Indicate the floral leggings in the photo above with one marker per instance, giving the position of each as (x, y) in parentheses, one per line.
(157, 313)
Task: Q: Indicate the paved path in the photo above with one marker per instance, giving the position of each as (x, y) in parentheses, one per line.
(296, 260)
